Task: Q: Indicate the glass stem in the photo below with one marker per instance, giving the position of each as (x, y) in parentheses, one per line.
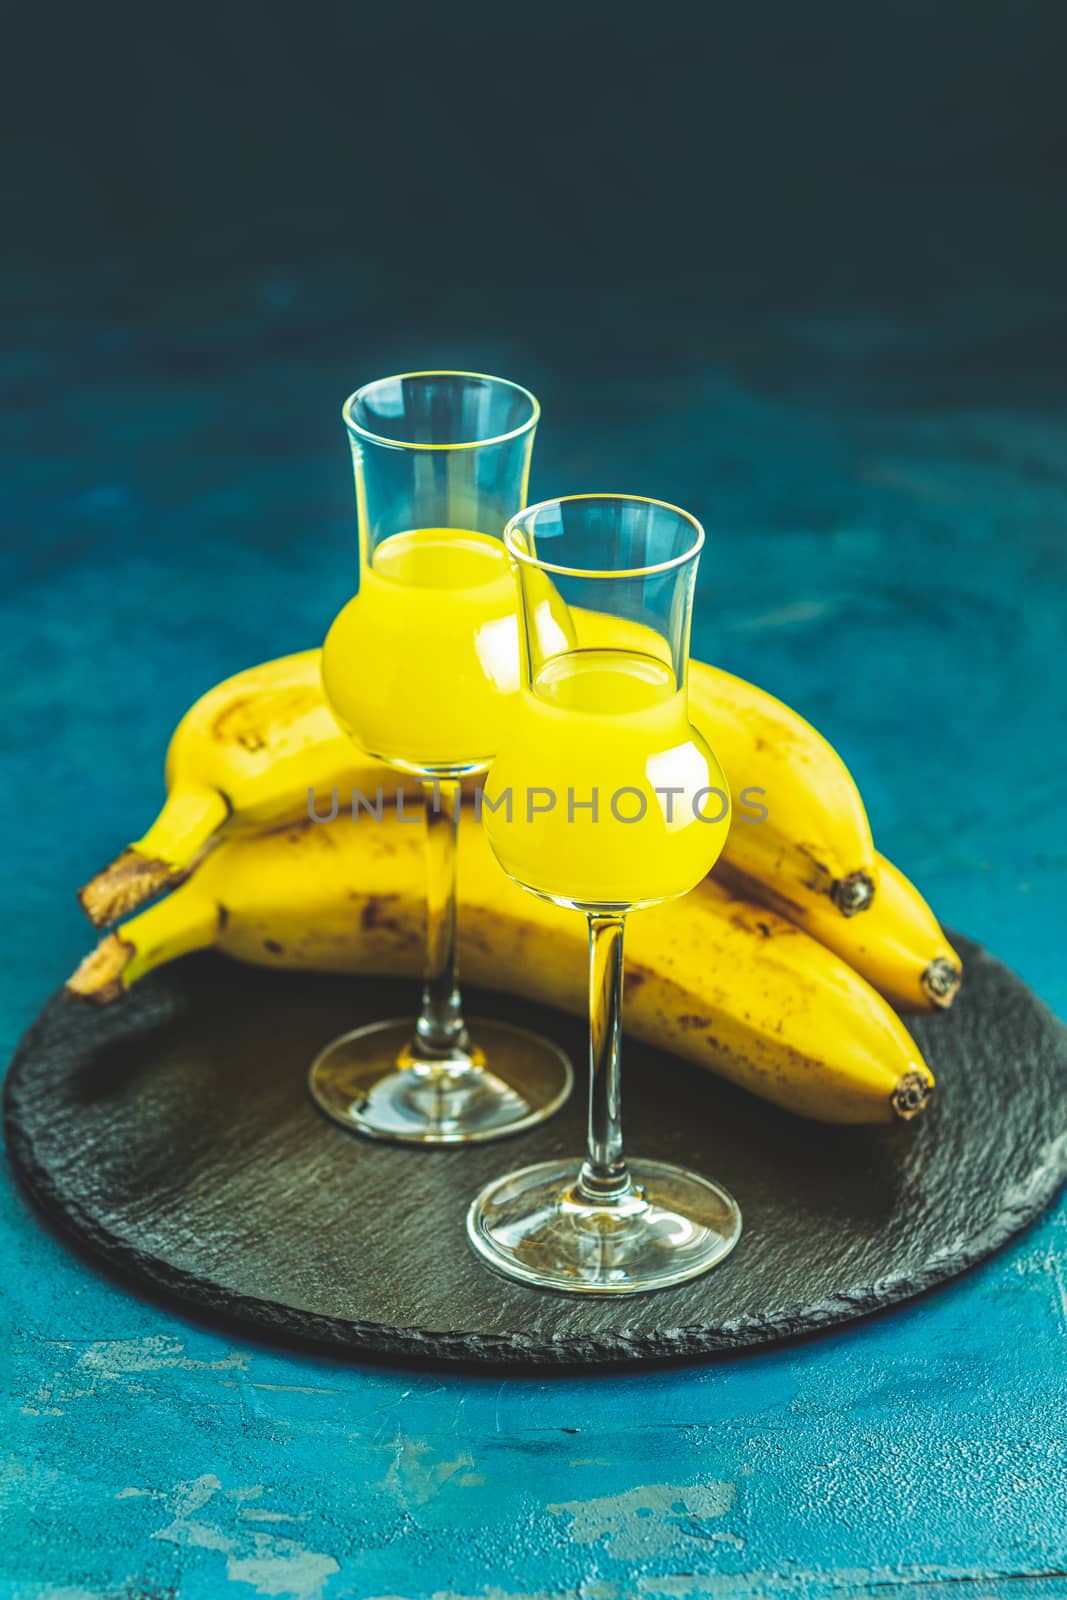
(440, 1028)
(604, 1175)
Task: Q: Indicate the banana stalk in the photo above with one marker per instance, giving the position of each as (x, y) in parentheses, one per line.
(712, 977)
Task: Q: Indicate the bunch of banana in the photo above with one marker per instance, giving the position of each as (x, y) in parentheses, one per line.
(712, 977)
(252, 750)
(723, 976)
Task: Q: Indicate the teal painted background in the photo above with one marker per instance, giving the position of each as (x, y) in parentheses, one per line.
(801, 274)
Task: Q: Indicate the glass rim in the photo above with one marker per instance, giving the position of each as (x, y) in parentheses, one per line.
(604, 572)
(443, 372)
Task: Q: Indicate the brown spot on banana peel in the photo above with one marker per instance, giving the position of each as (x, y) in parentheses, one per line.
(633, 976)
(850, 893)
(476, 939)
(821, 880)
(128, 882)
(911, 1095)
(941, 981)
(239, 721)
(99, 976)
(740, 886)
(745, 919)
(374, 918)
(295, 831)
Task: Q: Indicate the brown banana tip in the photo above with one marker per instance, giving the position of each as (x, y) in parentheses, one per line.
(852, 893)
(127, 883)
(941, 981)
(912, 1094)
(99, 977)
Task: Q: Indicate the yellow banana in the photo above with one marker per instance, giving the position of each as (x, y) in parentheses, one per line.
(250, 750)
(899, 947)
(712, 977)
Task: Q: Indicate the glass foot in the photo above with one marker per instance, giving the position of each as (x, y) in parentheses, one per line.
(373, 1081)
(537, 1226)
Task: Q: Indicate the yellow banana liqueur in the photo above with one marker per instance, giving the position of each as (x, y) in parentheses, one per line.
(603, 791)
(422, 667)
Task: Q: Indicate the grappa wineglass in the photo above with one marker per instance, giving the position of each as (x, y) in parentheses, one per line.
(604, 798)
(422, 670)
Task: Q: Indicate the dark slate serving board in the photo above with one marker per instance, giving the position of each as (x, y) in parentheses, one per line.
(175, 1136)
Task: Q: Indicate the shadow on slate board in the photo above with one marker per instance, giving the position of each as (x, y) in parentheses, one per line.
(175, 1137)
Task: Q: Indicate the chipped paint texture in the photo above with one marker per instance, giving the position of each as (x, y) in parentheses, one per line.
(877, 547)
(649, 1519)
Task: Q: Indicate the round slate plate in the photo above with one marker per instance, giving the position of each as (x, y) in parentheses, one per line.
(174, 1134)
